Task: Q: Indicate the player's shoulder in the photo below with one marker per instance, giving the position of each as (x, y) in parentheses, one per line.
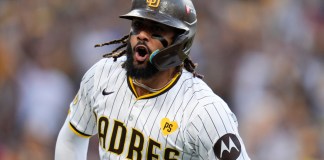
(189, 80)
(108, 63)
(197, 87)
(202, 95)
(104, 66)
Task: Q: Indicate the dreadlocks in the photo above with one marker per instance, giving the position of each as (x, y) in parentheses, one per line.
(116, 53)
(190, 66)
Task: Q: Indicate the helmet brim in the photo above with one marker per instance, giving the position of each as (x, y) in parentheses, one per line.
(156, 17)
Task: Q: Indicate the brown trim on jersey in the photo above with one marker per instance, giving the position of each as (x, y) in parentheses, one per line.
(155, 94)
(77, 132)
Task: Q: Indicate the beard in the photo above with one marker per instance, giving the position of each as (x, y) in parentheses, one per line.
(135, 72)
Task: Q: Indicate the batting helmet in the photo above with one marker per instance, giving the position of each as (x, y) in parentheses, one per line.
(179, 14)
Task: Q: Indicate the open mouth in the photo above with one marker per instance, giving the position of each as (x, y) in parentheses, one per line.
(141, 50)
(141, 53)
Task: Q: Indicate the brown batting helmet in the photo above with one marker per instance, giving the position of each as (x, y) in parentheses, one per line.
(179, 14)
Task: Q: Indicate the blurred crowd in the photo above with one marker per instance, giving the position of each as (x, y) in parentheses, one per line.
(265, 58)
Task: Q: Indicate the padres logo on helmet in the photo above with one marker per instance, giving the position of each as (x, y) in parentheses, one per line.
(153, 3)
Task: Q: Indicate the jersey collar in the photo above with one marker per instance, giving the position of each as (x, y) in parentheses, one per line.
(151, 95)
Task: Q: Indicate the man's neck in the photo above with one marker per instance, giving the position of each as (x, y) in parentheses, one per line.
(158, 81)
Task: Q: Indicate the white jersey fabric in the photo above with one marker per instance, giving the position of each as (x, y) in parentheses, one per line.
(185, 120)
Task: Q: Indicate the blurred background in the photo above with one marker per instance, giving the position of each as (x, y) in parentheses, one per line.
(265, 58)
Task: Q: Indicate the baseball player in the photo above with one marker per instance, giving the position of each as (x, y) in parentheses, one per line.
(147, 101)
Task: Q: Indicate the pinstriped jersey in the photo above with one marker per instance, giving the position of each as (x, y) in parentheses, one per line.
(184, 120)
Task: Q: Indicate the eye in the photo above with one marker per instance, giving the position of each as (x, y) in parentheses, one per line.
(137, 25)
(157, 29)
(156, 36)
